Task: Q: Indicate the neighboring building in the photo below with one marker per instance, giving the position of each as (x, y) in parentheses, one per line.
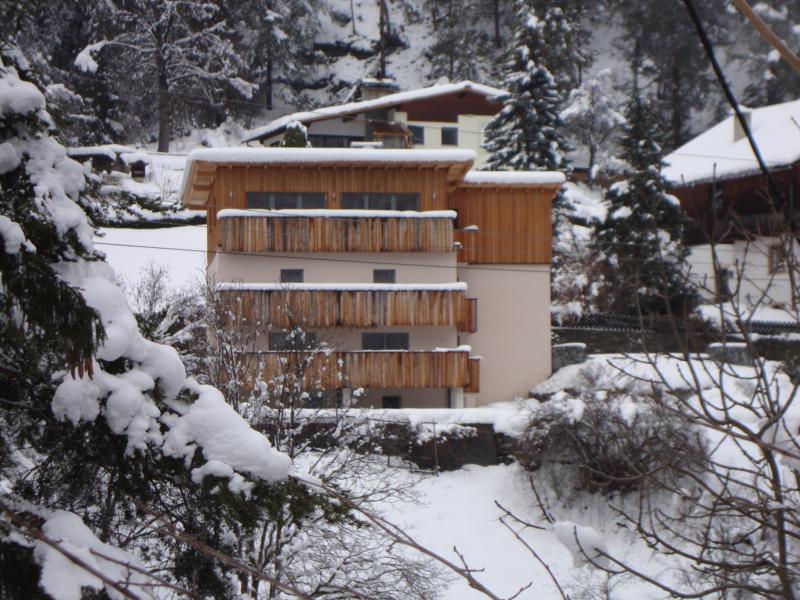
(431, 281)
(717, 179)
(441, 116)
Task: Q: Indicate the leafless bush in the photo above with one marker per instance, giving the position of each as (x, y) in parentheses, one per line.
(601, 439)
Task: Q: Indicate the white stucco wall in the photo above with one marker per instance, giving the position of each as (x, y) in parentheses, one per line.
(470, 133)
(513, 334)
(328, 267)
(751, 259)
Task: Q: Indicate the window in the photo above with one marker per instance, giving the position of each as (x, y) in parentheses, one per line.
(361, 201)
(279, 200)
(291, 275)
(384, 341)
(417, 134)
(384, 276)
(391, 401)
(292, 340)
(449, 136)
(777, 259)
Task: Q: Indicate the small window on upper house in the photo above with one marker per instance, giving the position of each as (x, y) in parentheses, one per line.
(373, 201)
(384, 276)
(777, 259)
(449, 136)
(292, 340)
(417, 134)
(291, 275)
(384, 341)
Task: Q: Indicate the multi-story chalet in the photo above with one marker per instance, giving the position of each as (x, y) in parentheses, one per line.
(430, 281)
(451, 115)
(717, 179)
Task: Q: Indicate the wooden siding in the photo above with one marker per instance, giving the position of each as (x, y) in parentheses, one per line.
(231, 182)
(318, 234)
(513, 224)
(474, 376)
(283, 309)
(383, 369)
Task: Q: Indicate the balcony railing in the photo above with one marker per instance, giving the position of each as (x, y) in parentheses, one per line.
(374, 369)
(336, 231)
(386, 305)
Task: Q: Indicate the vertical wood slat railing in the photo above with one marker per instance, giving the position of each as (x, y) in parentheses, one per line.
(285, 308)
(374, 369)
(273, 233)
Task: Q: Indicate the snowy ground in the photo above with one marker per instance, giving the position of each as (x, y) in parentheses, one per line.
(181, 250)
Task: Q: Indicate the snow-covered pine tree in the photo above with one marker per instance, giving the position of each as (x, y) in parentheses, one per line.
(172, 56)
(460, 43)
(593, 119)
(566, 41)
(526, 134)
(296, 136)
(100, 430)
(640, 246)
(773, 79)
(276, 44)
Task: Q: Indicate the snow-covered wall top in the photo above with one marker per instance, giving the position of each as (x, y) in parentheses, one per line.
(514, 177)
(336, 213)
(326, 155)
(716, 154)
(459, 286)
(387, 101)
(109, 150)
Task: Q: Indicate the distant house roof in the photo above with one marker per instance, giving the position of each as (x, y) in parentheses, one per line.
(715, 154)
(388, 101)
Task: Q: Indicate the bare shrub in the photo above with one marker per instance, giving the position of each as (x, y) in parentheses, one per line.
(602, 436)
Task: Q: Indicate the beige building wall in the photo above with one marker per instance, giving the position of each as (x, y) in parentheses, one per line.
(470, 133)
(513, 336)
(411, 267)
(416, 398)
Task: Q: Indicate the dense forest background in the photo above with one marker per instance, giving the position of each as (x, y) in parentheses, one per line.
(151, 71)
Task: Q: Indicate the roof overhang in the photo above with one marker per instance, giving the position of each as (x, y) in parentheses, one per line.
(202, 165)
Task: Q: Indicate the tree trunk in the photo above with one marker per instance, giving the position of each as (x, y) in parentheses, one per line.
(497, 40)
(382, 25)
(269, 81)
(164, 120)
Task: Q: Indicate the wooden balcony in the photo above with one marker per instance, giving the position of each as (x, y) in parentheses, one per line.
(375, 369)
(274, 232)
(284, 307)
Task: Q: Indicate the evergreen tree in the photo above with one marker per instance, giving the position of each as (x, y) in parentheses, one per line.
(296, 136)
(773, 79)
(98, 426)
(662, 48)
(639, 245)
(567, 54)
(526, 133)
(459, 40)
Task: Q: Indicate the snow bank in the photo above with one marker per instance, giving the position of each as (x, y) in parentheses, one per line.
(515, 177)
(345, 213)
(586, 544)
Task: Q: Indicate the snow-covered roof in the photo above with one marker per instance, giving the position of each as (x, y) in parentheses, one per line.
(388, 101)
(458, 286)
(514, 178)
(716, 154)
(336, 213)
(238, 155)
